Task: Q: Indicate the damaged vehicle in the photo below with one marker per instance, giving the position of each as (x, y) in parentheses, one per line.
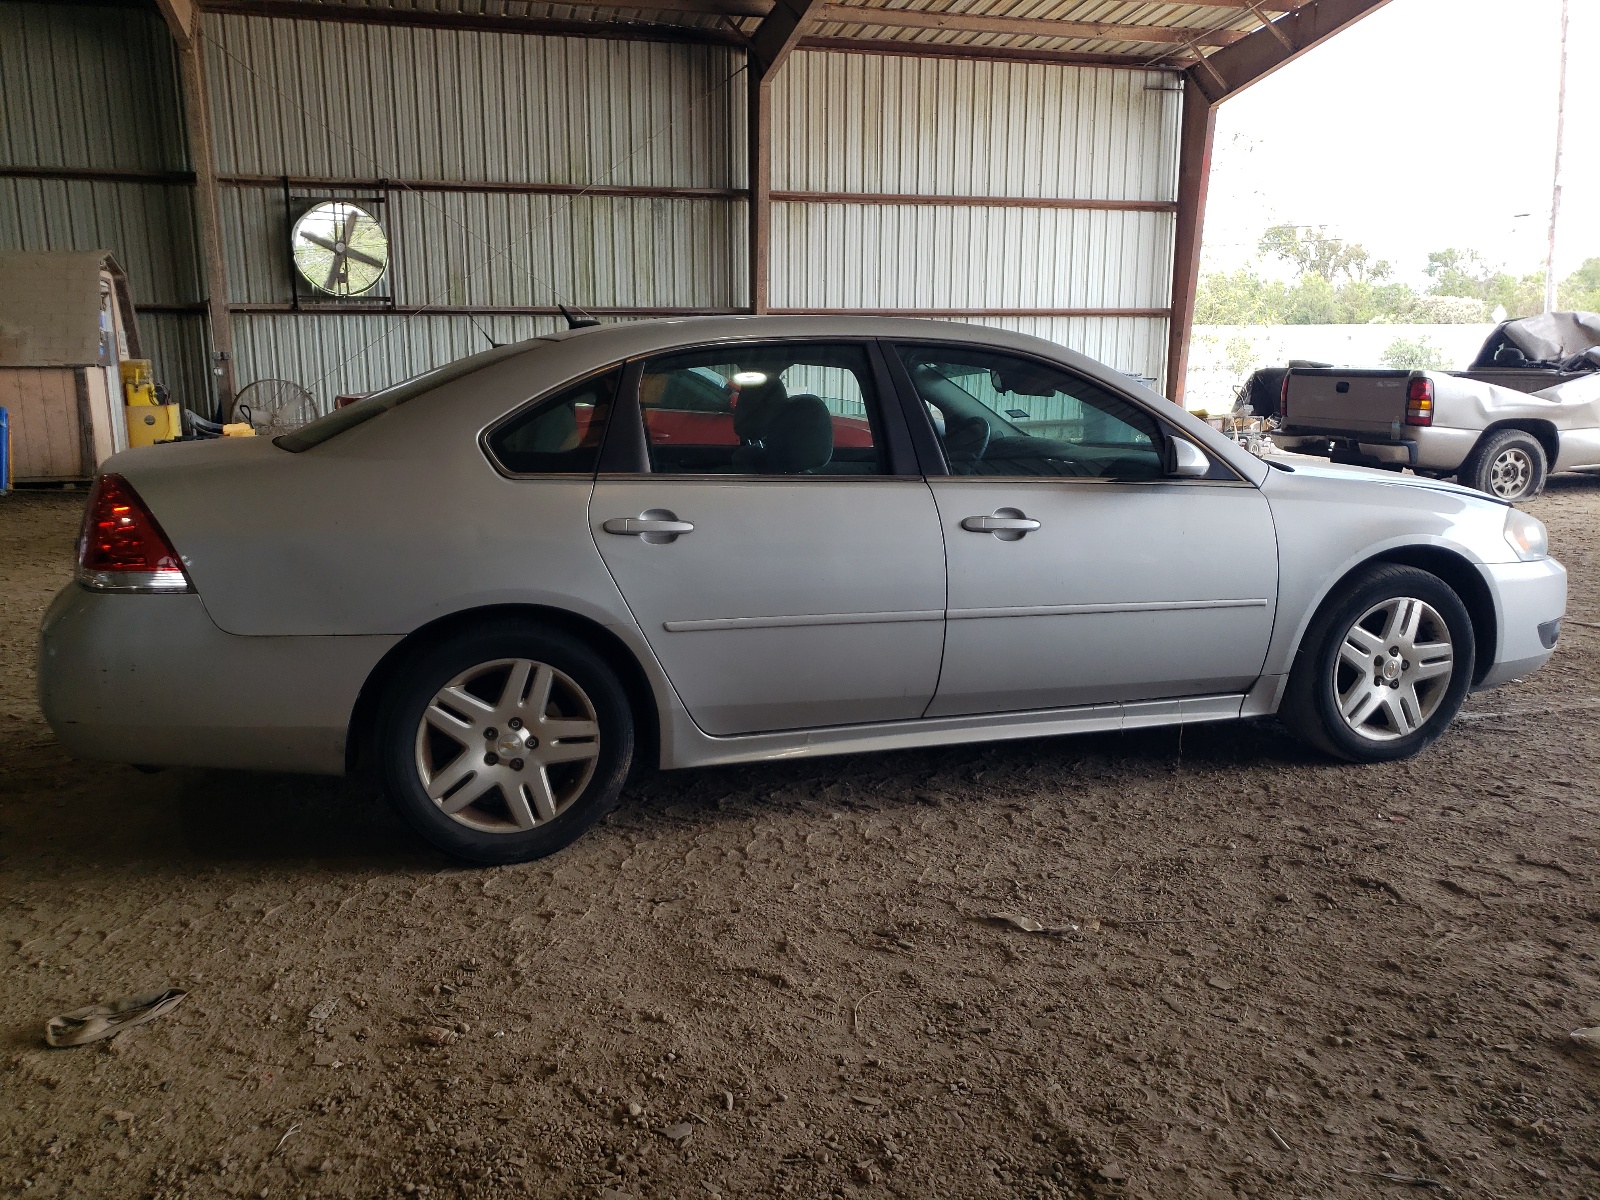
(1528, 405)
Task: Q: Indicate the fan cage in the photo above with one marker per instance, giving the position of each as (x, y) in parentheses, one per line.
(298, 202)
(274, 406)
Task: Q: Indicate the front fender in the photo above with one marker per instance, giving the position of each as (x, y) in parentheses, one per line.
(1329, 527)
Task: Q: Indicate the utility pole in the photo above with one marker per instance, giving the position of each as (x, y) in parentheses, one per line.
(1555, 194)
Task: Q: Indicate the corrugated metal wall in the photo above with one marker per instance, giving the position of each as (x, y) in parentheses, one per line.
(84, 88)
(327, 98)
(351, 102)
(852, 124)
(487, 249)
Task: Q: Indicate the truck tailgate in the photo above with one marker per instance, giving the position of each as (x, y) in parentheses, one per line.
(1370, 405)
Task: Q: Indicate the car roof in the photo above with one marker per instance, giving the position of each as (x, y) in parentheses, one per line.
(639, 337)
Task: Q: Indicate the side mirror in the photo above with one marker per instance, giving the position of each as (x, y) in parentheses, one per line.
(1188, 460)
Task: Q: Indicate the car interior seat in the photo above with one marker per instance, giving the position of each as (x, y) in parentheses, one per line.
(797, 438)
(755, 409)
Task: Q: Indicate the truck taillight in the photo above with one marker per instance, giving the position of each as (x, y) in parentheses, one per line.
(1419, 401)
(122, 549)
(1283, 399)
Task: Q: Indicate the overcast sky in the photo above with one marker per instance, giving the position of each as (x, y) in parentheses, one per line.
(1429, 124)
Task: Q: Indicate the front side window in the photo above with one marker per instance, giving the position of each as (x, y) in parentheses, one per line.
(560, 435)
(1000, 415)
(800, 408)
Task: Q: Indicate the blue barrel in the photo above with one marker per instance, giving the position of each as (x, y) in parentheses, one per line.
(5, 452)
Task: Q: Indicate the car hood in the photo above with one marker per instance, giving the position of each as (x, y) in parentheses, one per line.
(1318, 468)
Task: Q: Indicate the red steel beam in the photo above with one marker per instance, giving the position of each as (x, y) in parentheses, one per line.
(1219, 76)
(1195, 140)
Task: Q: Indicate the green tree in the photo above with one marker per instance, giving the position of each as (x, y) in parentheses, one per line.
(1467, 273)
(1312, 301)
(1315, 252)
(1580, 291)
(1403, 354)
(1239, 298)
(1240, 357)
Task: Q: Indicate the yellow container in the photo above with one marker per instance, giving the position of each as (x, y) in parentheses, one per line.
(138, 384)
(151, 423)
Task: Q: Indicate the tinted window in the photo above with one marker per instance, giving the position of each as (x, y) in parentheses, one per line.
(1000, 415)
(560, 435)
(772, 409)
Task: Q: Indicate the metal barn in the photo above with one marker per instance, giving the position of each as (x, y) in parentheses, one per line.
(1037, 166)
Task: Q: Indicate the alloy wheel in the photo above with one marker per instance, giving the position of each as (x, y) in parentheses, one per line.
(1393, 669)
(1511, 473)
(507, 745)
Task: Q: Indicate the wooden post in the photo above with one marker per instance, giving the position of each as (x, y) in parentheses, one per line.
(1196, 137)
(208, 212)
(759, 128)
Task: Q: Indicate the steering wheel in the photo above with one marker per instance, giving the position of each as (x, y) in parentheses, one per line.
(967, 441)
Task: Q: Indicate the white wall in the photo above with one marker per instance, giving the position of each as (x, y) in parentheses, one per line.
(1222, 357)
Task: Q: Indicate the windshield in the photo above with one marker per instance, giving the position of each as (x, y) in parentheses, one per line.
(953, 391)
(341, 419)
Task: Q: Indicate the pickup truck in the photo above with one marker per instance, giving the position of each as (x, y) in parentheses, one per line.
(1528, 405)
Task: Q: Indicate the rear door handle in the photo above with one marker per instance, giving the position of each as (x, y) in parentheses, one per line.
(657, 526)
(998, 524)
(641, 525)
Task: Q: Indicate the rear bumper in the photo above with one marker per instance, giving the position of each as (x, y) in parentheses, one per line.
(150, 679)
(1432, 448)
(1528, 598)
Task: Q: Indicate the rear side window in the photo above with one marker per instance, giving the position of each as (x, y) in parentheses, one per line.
(560, 435)
(778, 408)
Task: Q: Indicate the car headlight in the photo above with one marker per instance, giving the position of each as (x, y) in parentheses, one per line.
(1527, 536)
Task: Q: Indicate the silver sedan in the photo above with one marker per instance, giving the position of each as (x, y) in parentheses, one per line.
(734, 539)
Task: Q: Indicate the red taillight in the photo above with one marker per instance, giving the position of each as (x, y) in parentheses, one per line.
(1283, 400)
(122, 549)
(1419, 401)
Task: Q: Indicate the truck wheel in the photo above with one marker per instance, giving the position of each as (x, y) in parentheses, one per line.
(504, 743)
(1383, 669)
(1508, 463)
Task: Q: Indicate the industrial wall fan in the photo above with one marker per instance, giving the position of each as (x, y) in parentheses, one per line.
(274, 406)
(339, 248)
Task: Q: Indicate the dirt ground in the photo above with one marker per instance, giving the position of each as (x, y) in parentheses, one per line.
(1288, 978)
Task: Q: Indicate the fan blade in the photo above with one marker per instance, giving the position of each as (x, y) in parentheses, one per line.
(317, 241)
(332, 285)
(350, 226)
(363, 258)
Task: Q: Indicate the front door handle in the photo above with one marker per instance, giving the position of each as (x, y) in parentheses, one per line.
(1007, 524)
(655, 525)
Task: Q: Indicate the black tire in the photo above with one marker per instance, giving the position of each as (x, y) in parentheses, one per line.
(577, 788)
(1322, 672)
(1509, 464)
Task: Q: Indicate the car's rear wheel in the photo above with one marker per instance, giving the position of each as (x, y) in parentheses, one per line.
(1509, 464)
(503, 744)
(1383, 669)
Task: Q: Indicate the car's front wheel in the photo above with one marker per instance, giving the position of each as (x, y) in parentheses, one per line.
(504, 743)
(1384, 667)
